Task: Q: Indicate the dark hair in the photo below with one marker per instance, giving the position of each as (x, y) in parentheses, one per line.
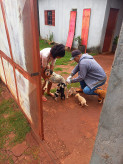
(58, 51)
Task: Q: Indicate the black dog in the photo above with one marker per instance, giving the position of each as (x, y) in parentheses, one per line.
(60, 91)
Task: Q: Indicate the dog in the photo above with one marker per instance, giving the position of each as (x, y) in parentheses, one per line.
(81, 99)
(48, 72)
(71, 91)
(60, 91)
(55, 78)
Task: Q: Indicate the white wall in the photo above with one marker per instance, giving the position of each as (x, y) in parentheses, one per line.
(98, 21)
(62, 16)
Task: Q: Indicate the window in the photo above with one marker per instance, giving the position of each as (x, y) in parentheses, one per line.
(49, 17)
(74, 9)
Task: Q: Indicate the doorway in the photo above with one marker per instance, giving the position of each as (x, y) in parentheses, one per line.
(110, 29)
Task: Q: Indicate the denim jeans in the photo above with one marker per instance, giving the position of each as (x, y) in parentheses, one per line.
(88, 90)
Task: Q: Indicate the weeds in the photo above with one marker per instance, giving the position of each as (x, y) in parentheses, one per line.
(58, 69)
(66, 73)
(76, 85)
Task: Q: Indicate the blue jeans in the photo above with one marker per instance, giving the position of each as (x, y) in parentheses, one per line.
(88, 90)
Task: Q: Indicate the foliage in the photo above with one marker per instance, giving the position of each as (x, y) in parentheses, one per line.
(115, 41)
(79, 40)
(51, 37)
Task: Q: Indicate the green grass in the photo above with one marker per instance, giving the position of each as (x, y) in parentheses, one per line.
(65, 60)
(53, 90)
(76, 85)
(64, 73)
(92, 54)
(43, 44)
(58, 69)
(73, 64)
(12, 121)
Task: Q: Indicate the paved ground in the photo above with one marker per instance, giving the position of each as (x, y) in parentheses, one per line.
(69, 129)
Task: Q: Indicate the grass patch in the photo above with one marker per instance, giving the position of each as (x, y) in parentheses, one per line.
(43, 44)
(64, 73)
(15, 123)
(64, 60)
(76, 85)
(4, 157)
(92, 54)
(73, 64)
(58, 69)
(53, 90)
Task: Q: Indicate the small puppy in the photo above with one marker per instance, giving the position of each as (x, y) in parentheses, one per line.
(81, 99)
(71, 91)
(60, 91)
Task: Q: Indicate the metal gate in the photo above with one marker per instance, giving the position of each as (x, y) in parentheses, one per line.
(19, 58)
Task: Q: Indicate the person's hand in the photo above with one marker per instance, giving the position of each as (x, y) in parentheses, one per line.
(68, 80)
(69, 77)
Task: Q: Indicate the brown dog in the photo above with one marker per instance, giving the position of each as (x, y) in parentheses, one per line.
(81, 99)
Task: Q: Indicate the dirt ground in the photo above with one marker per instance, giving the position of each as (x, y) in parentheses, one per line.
(69, 129)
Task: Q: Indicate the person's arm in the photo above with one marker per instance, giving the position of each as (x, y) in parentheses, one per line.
(44, 66)
(52, 64)
(52, 67)
(75, 70)
(82, 74)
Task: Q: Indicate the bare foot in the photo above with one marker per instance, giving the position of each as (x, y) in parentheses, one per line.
(51, 94)
(44, 98)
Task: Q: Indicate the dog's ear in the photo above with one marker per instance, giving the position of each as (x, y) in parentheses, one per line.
(51, 71)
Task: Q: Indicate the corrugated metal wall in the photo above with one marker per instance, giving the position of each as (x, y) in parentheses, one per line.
(19, 57)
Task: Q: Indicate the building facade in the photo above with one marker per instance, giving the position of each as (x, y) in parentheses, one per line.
(54, 17)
